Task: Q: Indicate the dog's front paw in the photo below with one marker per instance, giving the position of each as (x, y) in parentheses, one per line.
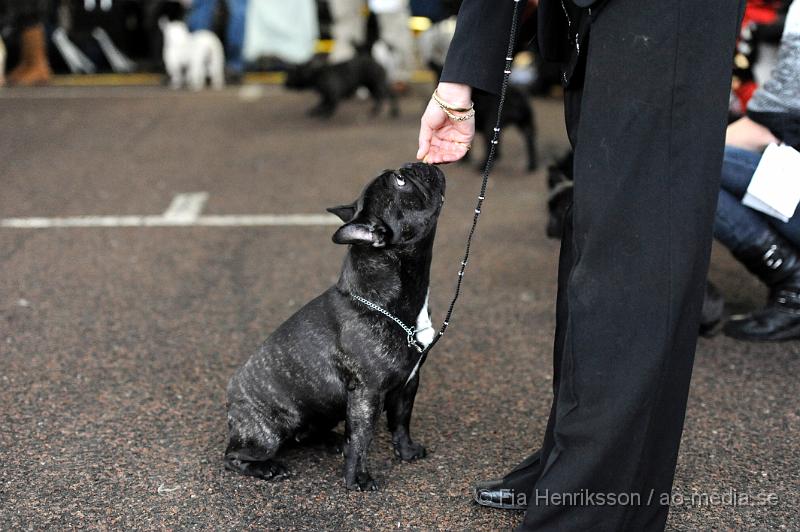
(362, 481)
(409, 451)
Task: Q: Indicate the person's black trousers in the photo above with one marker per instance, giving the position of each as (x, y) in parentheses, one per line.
(648, 131)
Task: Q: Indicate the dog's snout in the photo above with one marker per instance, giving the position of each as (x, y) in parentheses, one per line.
(417, 168)
(423, 171)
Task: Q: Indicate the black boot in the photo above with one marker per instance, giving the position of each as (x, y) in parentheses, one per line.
(777, 263)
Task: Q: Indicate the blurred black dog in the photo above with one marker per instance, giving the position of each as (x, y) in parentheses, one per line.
(337, 82)
(336, 359)
(517, 111)
(559, 197)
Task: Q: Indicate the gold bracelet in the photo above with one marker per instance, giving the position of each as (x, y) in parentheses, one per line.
(444, 105)
(457, 118)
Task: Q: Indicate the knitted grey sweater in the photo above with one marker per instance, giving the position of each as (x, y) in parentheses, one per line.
(781, 93)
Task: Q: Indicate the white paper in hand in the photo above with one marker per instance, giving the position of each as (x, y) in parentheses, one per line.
(775, 186)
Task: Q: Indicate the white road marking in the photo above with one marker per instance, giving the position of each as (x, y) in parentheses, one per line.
(184, 211)
(268, 219)
(186, 206)
(131, 92)
(240, 220)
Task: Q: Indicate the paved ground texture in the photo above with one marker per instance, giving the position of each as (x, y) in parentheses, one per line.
(117, 342)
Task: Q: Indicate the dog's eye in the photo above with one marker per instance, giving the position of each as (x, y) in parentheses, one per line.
(399, 181)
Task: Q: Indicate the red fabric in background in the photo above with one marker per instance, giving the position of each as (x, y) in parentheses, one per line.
(756, 12)
(760, 12)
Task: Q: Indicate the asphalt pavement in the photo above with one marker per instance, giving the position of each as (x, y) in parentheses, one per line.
(116, 342)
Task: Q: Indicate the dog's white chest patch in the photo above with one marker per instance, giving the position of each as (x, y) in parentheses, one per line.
(424, 326)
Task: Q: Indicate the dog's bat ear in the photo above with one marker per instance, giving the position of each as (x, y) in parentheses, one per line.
(357, 233)
(162, 22)
(344, 212)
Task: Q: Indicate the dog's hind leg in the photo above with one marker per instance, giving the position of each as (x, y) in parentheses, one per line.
(377, 104)
(196, 82)
(217, 79)
(175, 73)
(253, 460)
(196, 76)
(378, 91)
(216, 66)
(381, 92)
(399, 404)
(251, 449)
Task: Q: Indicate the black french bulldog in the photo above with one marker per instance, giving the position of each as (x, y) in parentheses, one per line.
(517, 112)
(336, 359)
(337, 82)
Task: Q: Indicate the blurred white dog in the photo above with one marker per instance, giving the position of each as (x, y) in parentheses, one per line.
(2, 63)
(191, 58)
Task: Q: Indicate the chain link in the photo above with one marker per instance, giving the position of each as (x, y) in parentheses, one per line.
(410, 331)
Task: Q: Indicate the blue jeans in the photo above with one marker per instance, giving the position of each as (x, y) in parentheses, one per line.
(736, 225)
(201, 17)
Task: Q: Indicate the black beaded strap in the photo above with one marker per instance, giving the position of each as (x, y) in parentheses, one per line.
(482, 196)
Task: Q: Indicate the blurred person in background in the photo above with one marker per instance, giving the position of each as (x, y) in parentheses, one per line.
(349, 31)
(767, 247)
(282, 31)
(27, 18)
(201, 17)
(756, 49)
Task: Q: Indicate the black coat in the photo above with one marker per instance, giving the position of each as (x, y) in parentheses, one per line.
(561, 30)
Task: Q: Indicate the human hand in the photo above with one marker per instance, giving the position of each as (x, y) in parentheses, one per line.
(749, 135)
(442, 140)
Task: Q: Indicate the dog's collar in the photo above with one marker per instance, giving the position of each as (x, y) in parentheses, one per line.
(410, 331)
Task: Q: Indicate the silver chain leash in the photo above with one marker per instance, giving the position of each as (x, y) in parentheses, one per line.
(410, 331)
